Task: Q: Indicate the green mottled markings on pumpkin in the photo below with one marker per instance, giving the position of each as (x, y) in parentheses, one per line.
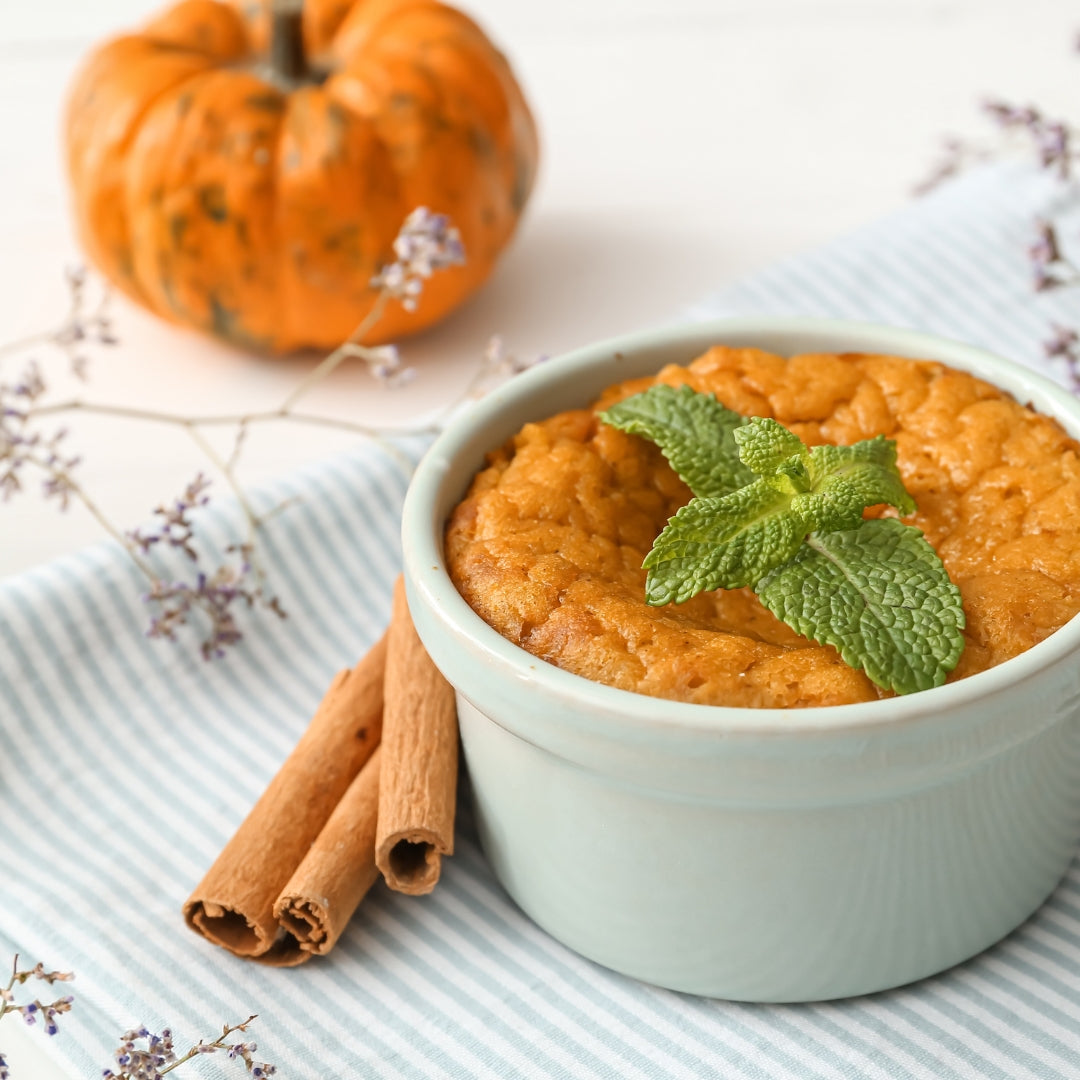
(345, 239)
(338, 122)
(125, 261)
(787, 520)
(480, 142)
(523, 182)
(222, 319)
(225, 324)
(212, 200)
(178, 224)
(270, 102)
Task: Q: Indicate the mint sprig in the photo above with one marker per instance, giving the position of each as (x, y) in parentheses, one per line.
(787, 520)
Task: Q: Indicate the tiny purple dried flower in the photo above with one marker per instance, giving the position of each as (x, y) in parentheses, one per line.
(21, 445)
(1065, 342)
(1065, 345)
(137, 1063)
(385, 364)
(31, 1011)
(1049, 267)
(1052, 139)
(426, 242)
(175, 528)
(82, 325)
(31, 384)
(1053, 146)
(215, 595)
(1011, 116)
(497, 365)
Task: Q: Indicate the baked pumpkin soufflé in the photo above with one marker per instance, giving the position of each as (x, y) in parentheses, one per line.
(548, 543)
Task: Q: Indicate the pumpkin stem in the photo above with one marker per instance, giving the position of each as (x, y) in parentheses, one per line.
(287, 60)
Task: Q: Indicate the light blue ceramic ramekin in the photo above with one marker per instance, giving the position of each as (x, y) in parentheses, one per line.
(760, 855)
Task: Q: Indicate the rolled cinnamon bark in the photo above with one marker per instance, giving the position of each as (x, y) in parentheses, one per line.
(233, 906)
(320, 898)
(419, 761)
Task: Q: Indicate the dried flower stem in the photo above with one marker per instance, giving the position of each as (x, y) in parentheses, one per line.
(35, 1010)
(351, 347)
(80, 493)
(226, 419)
(217, 1044)
(227, 470)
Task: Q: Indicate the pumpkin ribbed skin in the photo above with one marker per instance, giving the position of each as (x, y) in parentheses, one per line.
(219, 200)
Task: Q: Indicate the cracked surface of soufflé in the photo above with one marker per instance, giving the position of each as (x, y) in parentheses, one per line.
(547, 545)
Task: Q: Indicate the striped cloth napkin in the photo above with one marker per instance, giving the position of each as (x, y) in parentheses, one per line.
(126, 764)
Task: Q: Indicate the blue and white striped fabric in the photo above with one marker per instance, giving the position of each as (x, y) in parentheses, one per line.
(126, 764)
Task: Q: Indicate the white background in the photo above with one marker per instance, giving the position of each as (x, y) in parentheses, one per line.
(685, 143)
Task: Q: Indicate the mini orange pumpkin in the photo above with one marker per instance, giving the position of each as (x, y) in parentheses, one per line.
(256, 200)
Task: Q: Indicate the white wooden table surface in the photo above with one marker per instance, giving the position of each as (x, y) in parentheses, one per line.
(686, 142)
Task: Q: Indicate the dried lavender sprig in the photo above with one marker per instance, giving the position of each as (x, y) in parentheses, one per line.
(216, 595)
(36, 1010)
(1052, 140)
(158, 1057)
(22, 444)
(1054, 143)
(213, 594)
(83, 324)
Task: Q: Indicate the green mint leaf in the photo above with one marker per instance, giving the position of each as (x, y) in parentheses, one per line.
(851, 478)
(875, 451)
(838, 501)
(723, 543)
(694, 432)
(765, 445)
(880, 595)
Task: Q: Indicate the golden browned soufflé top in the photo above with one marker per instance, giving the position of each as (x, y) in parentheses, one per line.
(547, 545)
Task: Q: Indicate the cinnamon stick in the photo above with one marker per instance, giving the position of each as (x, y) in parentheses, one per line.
(320, 898)
(419, 761)
(233, 906)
